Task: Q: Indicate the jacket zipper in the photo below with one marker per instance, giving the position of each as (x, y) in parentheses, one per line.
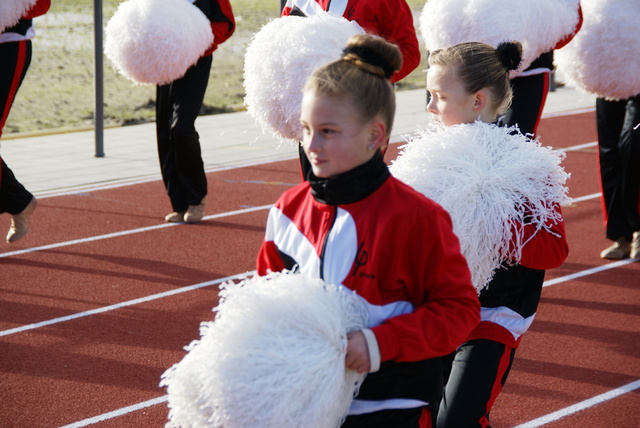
(326, 239)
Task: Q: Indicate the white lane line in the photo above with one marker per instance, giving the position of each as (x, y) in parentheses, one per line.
(129, 232)
(586, 198)
(568, 112)
(578, 147)
(531, 424)
(164, 225)
(554, 281)
(581, 405)
(125, 304)
(116, 413)
(588, 272)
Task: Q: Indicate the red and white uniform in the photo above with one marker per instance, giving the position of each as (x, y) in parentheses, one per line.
(223, 22)
(510, 301)
(373, 234)
(390, 19)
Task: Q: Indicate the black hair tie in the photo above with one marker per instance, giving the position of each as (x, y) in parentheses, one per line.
(369, 56)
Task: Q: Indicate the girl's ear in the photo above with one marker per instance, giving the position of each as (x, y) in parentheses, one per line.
(479, 100)
(377, 135)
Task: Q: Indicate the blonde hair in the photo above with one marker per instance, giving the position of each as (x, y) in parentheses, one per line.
(481, 66)
(362, 76)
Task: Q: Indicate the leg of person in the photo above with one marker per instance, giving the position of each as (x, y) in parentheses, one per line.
(166, 153)
(189, 95)
(402, 418)
(610, 117)
(480, 369)
(629, 147)
(529, 98)
(17, 201)
(14, 198)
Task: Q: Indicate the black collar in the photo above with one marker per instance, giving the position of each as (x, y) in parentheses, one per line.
(350, 186)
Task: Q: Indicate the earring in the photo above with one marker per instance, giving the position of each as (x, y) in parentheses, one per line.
(371, 146)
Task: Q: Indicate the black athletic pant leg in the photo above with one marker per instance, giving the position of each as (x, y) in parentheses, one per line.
(619, 157)
(15, 58)
(177, 107)
(529, 97)
(478, 372)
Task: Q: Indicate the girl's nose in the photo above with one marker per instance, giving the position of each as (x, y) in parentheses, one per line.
(431, 107)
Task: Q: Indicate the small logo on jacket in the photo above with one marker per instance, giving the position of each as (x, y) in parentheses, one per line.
(362, 257)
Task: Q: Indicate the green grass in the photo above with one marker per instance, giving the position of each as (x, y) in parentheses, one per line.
(58, 91)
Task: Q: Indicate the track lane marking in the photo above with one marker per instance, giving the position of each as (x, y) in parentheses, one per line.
(129, 232)
(116, 413)
(125, 304)
(551, 417)
(8, 332)
(588, 272)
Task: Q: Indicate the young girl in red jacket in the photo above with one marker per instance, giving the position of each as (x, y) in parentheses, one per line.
(15, 57)
(469, 82)
(354, 224)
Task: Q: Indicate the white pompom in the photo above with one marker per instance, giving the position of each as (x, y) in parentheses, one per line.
(604, 57)
(273, 358)
(484, 175)
(156, 41)
(12, 10)
(537, 24)
(280, 58)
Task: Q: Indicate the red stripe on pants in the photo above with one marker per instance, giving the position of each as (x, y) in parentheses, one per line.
(505, 362)
(545, 92)
(15, 81)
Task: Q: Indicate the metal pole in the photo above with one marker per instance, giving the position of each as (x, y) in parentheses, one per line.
(98, 113)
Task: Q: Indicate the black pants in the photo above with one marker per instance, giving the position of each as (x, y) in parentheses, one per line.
(619, 154)
(177, 107)
(474, 376)
(529, 97)
(15, 58)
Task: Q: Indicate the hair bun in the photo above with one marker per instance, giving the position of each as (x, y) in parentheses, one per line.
(370, 56)
(510, 54)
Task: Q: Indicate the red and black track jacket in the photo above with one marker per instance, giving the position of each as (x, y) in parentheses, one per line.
(390, 19)
(510, 301)
(38, 9)
(370, 232)
(223, 23)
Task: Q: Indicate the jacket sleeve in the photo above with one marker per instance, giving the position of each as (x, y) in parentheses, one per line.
(269, 259)
(395, 21)
(566, 39)
(450, 308)
(223, 22)
(545, 250)
(38, 9)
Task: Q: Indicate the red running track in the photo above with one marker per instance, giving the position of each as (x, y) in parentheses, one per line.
(101, 296)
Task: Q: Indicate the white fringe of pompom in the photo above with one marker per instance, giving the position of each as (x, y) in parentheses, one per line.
(273, 358)
(604, 57)
(484, 176)
(156, 41)
(538, 24)
(278, 61)
(12, 10)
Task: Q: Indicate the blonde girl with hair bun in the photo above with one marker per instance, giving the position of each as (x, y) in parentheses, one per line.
(503, 192)
(354, 225)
